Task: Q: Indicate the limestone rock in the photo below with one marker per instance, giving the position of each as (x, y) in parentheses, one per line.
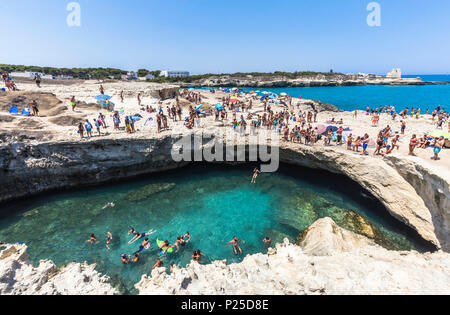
(325, 237)
(18, 276)
(332, 261)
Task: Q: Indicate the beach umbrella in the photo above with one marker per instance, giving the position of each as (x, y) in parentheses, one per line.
(234, 100)
(103, 97)
(321, 129)
(283, 94)
(439, 133)
(198, 107)
(272, 97)
(265, 93)
(257, 91)
(219, 106)
(332, 128)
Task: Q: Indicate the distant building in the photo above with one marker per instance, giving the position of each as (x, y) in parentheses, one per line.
(174, 74)
(395, 74)
(31, 75)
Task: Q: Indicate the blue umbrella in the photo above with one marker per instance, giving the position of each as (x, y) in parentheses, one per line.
(198, 107)
(219, 106)
(103, 97)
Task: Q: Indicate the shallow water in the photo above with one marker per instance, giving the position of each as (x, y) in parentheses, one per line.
(213, 203)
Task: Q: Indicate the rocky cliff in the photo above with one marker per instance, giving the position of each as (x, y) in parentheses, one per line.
(329, 261)
(19, 277)
(305, 81)
(27, 168)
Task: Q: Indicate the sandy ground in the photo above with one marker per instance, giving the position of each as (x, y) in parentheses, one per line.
(86, 91)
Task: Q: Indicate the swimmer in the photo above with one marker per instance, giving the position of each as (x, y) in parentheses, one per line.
(109, 204)
(178, 243)
(235, 241)
(136, 258)
(138, 235)
(159, 263)
(109, 240)
(143, 246)
(92, 239)
(267, 241)
(256, 172)
(125, 259)
(188, 236)
(197, 255)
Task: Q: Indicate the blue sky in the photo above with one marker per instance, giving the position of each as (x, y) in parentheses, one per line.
(230, 35)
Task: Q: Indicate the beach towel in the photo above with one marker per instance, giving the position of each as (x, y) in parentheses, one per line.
(14, 110)
(26, 112)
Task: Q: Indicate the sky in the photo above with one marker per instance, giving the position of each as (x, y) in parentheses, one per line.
(226, 36)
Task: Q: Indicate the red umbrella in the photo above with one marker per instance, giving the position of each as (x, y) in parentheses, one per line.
(234, 100)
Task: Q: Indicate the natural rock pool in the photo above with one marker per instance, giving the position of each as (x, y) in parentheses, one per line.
(212, 202)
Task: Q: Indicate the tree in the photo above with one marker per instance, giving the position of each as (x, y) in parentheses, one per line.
(142, 73)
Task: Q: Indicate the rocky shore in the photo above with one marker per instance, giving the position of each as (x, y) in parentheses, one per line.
(27, 169)
(19, 277)
(314, 81)
(329, 261)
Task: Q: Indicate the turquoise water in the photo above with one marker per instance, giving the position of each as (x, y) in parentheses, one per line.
(359, 97)
(213, 203)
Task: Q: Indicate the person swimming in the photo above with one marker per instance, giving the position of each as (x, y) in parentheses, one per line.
(267, 241)
(92, 240)
(159, 263)
(235, 241)
(197, 255)
(145, 245)
(138, 235)
(188, 236)
(109, 204)
(125, 259)
(109, 240)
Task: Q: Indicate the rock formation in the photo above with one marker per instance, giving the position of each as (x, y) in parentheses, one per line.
(19, 277)
(330, 261)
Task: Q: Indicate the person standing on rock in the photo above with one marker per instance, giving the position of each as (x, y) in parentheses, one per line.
(37, 79)
(438, 145)
(34, 108)
(235, 241)
(73, 103)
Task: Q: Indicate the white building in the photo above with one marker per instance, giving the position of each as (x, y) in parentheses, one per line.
(395, 74)
(174, 74)
(31, 75)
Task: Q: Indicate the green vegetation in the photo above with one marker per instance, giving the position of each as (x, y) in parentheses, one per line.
(78, 73)
(258, 75)
(102, 73)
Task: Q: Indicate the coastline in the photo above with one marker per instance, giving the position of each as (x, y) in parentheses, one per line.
(413, 190)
